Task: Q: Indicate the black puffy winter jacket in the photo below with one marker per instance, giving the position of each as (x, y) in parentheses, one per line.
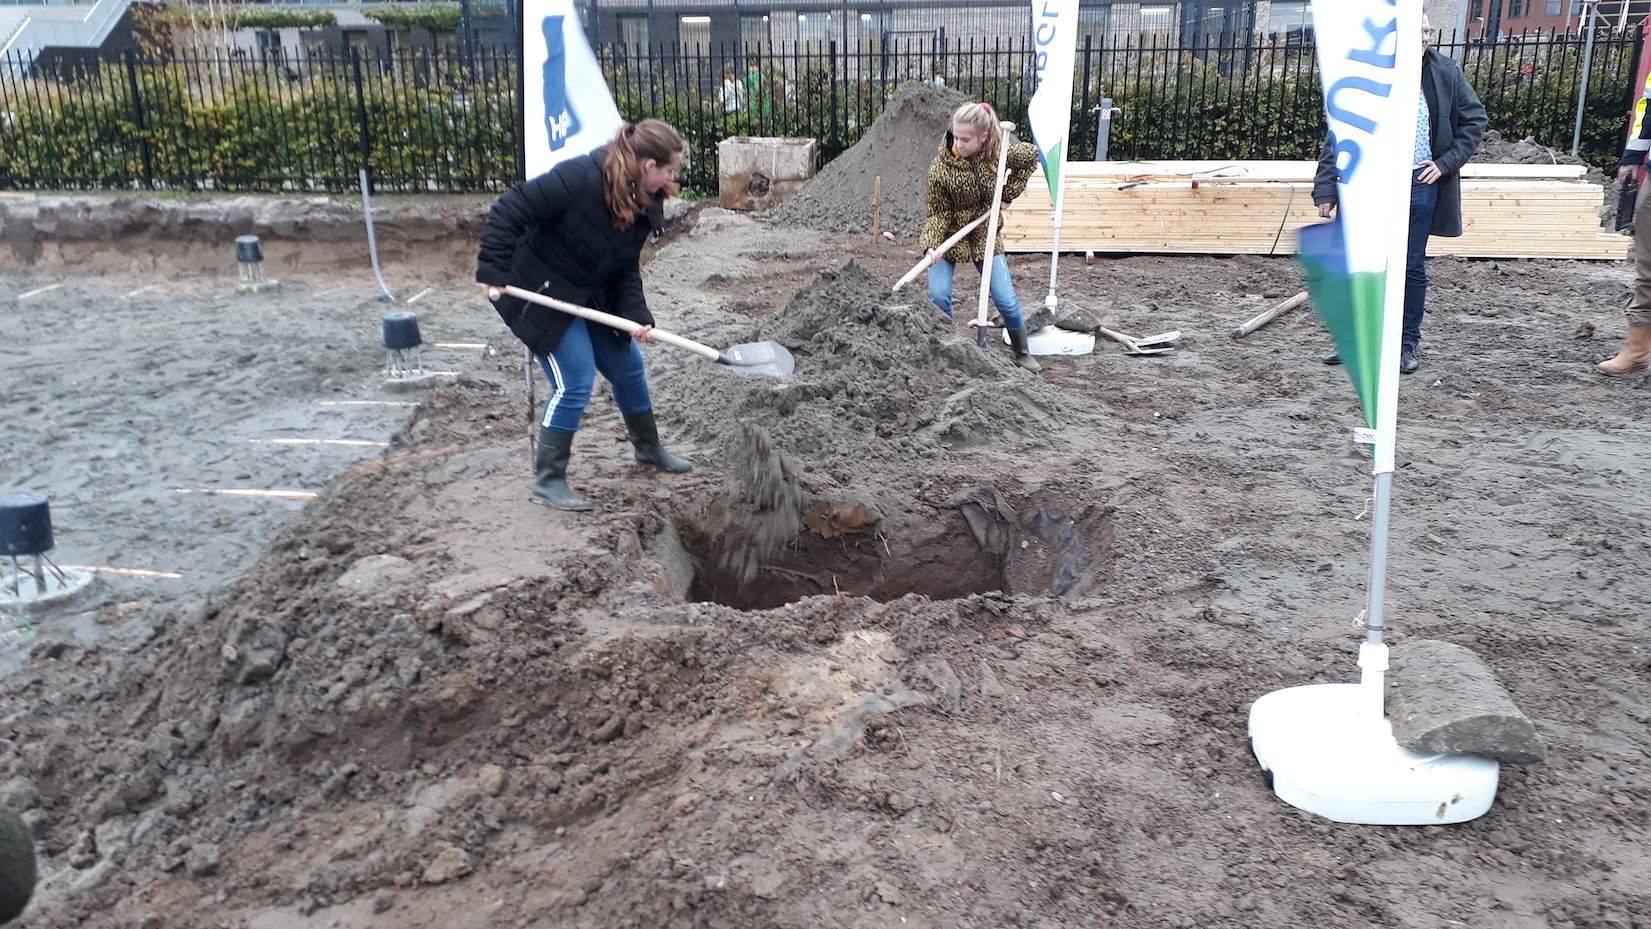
(553, 234)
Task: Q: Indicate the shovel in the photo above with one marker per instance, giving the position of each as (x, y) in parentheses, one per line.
(939, 250)
(1150, 345)
(752, 359)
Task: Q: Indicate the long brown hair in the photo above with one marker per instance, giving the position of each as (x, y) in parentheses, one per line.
(633, 144)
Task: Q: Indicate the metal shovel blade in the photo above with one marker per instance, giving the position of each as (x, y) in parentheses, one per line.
(759, 359)
(1162, 338)
(1140, 349)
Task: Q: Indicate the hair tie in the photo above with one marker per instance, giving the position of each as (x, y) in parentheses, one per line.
(986, 106)
(630, 128)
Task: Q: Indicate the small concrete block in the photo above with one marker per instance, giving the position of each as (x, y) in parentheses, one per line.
(755, 173)
(1444, 700)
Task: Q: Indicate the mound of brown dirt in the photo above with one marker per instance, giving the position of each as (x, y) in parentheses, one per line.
(898, 148)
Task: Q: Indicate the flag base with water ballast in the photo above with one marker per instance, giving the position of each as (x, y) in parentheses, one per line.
(1330, 748)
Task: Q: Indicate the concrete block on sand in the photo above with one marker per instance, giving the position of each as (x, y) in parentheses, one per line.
(1444, 700)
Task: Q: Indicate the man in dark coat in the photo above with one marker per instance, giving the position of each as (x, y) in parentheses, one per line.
(1455, 122)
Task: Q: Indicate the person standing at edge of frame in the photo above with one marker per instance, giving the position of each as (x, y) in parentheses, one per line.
(962, 182)
(1450, 122)
(1635, 354)
(576, 233)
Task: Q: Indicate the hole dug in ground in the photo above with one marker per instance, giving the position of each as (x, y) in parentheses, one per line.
(982, 541)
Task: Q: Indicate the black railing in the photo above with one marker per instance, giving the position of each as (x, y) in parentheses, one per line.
(432, 123)
(420, 122)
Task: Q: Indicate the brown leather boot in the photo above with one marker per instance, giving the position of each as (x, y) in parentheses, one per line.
(1635, 355)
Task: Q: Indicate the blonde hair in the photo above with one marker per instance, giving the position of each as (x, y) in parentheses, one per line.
(979, 118)
(633, 144)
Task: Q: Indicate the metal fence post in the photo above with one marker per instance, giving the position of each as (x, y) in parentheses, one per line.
(1083, 106)
(138, 117)
(361, 107)
(836, 147)
(1587, 63)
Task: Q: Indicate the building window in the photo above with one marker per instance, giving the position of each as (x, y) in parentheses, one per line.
(269, 45)
(872, 26)
(1555, 6)
(1157, 18)
(1289, 17)
(754, 30)
(633, 32)
(694, 32)
(814, 30)
(1516, 8)
(1092, 22)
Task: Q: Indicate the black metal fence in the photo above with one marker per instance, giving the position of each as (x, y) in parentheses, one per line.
(420, 122)
(429, 122)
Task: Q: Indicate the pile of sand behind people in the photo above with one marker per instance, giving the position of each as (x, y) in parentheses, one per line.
(898, 148)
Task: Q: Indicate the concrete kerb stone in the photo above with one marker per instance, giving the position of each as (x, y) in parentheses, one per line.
(1443, 699)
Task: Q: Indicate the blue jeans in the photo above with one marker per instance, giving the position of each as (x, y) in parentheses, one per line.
(1002, 289)
(571, 368)
(1423, 199)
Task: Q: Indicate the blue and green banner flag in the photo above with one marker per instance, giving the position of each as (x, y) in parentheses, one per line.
(1370, 55)
(1054, 45)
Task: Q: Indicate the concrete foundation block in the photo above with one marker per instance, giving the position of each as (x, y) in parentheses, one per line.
(757, 173)
(1444, 700)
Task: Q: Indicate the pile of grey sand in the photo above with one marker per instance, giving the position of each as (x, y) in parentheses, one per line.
(898, 147)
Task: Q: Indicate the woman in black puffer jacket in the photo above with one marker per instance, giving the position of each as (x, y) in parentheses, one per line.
(576, 233)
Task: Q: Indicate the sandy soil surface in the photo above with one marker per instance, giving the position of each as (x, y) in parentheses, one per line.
(419, 701)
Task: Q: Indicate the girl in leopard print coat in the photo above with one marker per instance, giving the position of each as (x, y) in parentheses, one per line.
(962, 180)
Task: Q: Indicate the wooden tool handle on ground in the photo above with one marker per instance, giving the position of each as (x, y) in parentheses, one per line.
(876, 207)
(1118, 337)
(1004, 128)
(617, 322)
(939, 251)
(1264, 318)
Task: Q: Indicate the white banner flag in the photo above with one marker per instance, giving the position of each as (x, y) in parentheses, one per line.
(1370, 63)
(566, 108)
(1054, 43)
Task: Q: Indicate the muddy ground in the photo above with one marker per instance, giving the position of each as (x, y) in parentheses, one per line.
(418, 701)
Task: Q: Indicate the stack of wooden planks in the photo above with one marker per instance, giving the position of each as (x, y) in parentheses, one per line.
(1255, 207)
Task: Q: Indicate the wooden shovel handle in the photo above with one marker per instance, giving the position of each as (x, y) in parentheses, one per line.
(1004, 128)
(939, 250)
(618, 322)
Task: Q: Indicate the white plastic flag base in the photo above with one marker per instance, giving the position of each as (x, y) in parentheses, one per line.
(1327, 758)
(1051, 340)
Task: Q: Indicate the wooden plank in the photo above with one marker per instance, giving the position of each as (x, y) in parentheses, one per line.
(1511, 211)
(1285, 171)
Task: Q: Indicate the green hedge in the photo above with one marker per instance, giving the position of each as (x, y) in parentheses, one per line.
(438, 125)
(432, 127)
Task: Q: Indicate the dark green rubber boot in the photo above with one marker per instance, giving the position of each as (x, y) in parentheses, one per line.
(550, 471)
(1023, 355)
(645, 436)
